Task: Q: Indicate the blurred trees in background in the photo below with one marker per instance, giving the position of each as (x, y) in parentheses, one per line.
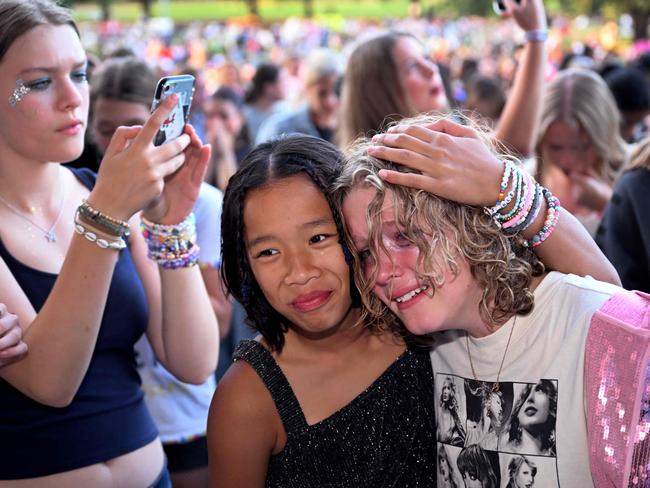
(639, 10)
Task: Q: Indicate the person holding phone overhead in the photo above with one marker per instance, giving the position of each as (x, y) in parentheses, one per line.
(83, 280)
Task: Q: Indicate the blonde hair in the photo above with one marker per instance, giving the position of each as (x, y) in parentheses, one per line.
(640, 156)
(580, 96)
(443, 231)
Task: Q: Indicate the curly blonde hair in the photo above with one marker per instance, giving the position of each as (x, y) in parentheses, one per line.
(444, 232)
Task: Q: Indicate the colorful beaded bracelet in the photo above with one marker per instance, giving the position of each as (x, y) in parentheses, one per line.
(552, 217)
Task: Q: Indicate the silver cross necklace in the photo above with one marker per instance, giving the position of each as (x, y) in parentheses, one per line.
(50, 234)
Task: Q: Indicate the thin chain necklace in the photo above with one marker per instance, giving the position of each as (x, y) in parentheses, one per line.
(495, 385)
(50, 234)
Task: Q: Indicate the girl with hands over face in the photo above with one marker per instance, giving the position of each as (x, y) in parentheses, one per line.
(83, 280)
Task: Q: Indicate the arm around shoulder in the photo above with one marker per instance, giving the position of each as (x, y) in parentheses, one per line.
(243, 428)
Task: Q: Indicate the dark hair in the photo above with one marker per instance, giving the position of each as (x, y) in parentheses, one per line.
(269, 162)
(515, 428)
(630, 89)
(264, 74)
(475, 461)
(486, 89)
(127, 79)
(227, 94)
(17, 17)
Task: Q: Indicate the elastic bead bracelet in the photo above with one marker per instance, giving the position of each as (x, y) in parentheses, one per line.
(552, 217)
(532, 214)
(507, 169)
(520, 192)
(512, 175)
(186, 260)
(526, 204)
(536, 35)
(171, 246)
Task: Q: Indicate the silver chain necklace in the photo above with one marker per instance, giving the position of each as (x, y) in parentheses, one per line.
(495, 385)
(50, 234)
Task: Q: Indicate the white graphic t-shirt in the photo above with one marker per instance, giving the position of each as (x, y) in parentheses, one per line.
(529, 429)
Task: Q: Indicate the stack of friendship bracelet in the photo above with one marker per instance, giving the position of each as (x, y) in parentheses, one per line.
(105, 231)
(172, 246)
(528, 197)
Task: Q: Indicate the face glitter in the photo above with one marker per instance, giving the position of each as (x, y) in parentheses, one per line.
(19, 93)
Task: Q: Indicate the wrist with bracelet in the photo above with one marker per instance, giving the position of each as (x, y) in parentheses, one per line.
(110, 225)
(171, 246)
(97, 234)
(536, 35)
(530, 196)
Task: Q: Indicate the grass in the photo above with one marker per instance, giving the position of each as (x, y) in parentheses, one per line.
(182, 11)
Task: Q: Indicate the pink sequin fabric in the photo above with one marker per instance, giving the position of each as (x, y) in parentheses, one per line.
(618, 391)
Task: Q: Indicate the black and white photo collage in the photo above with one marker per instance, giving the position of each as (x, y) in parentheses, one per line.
(495, 435)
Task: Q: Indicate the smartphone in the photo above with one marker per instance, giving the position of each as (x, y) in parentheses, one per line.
(499, 7)
(173, 126)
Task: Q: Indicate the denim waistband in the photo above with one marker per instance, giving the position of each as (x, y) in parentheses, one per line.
(162, 480)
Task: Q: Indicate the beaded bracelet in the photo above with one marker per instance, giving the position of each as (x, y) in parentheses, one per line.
(536, 35)
(510, 173)
(520, 192)
(552, 217)
(186, 260)
(171, 246)
(507, 169)
(113, 226)
(526, 204)
(532, 214)
(167, 231)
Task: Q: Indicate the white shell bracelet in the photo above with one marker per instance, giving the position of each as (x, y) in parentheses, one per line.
(118, 244)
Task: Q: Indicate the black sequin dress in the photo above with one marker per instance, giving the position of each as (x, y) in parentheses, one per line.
(383, 438)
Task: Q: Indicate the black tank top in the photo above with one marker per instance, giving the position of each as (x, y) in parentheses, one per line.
(107, 417)
(383, 438)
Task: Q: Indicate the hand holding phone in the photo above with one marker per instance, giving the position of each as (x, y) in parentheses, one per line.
(174, 124)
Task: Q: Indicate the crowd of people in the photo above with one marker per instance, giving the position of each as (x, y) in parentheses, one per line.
(413, 254)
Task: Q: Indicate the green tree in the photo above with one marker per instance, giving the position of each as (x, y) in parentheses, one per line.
(640, 12)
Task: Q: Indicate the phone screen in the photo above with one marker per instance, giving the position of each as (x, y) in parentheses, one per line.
(174, 124)
(498, 7)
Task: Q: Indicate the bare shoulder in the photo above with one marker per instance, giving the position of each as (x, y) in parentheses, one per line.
(244, 429)
(242, 390)
(243, 403)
